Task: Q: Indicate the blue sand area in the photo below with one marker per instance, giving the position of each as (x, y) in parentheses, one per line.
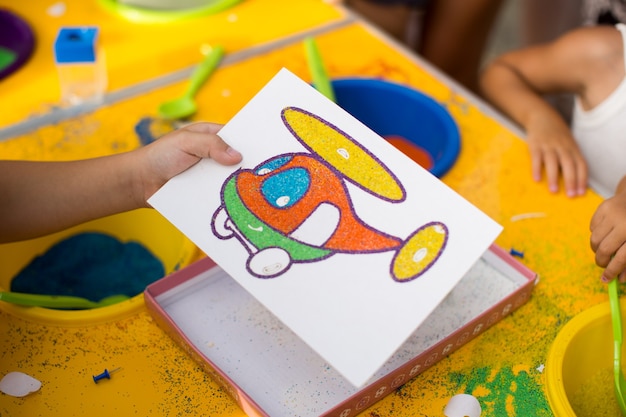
(90, 265)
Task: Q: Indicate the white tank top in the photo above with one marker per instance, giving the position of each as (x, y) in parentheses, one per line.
(601, 136)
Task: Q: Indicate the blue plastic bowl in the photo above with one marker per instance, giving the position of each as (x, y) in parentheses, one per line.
(391, 109)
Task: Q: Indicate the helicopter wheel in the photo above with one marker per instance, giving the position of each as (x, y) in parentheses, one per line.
(419, 252)
(269, 262)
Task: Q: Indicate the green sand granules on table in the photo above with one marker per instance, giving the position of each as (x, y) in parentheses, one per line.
(596, 396)
(90, 265)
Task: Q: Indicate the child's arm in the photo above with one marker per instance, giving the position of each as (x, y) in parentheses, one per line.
(516, 82)
(608, 235)
(38, 198)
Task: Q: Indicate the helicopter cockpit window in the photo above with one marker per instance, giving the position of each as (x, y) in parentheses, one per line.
(286, 188)
(273, 164)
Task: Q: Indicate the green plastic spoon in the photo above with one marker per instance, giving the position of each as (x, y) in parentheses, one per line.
(58, 301)
(616, 319)
(321, 82)
(185, 106)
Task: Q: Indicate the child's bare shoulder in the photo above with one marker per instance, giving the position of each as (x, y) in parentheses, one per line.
(594, 40)
(600, 62)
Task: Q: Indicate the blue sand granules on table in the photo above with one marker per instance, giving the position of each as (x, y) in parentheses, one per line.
(90, 265)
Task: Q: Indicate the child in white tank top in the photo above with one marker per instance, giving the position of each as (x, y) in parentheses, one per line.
(588, 62)
(601, 135)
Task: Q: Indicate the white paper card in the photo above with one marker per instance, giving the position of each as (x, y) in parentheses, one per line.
(346, 240)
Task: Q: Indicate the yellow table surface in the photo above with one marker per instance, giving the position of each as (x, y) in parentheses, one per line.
(501, 367)
(136, 52)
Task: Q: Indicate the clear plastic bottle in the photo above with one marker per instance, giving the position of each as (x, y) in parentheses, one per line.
(81, 66)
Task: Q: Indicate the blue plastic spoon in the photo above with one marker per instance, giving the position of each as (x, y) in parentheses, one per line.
(616, 318)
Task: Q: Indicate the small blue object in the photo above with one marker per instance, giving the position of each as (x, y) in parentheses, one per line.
(76, 44)
(106, 374)
(516, 253)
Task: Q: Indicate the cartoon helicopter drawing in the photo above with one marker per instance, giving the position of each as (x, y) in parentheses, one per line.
(296, 207)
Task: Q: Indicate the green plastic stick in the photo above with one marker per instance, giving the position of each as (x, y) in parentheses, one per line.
(204, 69)
(318, 71)
(616, 319)
(57, 301)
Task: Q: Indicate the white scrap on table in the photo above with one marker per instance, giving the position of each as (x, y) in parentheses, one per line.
(18, 384)
(462, 405)
(57, 9)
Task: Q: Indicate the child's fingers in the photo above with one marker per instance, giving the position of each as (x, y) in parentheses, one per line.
(581, 175)
(536, 160)
(203, 142)
(612, 256)
(598, 234)
(224, 154)
(597, 219)
(574, 170)
(606, 246)
(551, 163)
(570, 180)
(616, 266)
(203, 127)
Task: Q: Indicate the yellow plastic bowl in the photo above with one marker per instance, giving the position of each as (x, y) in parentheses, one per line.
(579, 366)
(145, 226)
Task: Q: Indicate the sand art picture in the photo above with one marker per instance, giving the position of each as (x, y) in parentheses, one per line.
(350, 243)
(295, 207)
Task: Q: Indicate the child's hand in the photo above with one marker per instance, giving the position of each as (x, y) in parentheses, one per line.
(45, 197)
(608, 235)
(554, 150)
(179, 150)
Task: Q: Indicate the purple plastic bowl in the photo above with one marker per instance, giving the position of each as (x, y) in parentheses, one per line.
(17, 36)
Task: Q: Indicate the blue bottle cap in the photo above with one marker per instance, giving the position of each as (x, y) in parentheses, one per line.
(75, 44)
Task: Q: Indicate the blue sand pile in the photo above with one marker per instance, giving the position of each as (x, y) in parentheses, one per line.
(90, 265)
